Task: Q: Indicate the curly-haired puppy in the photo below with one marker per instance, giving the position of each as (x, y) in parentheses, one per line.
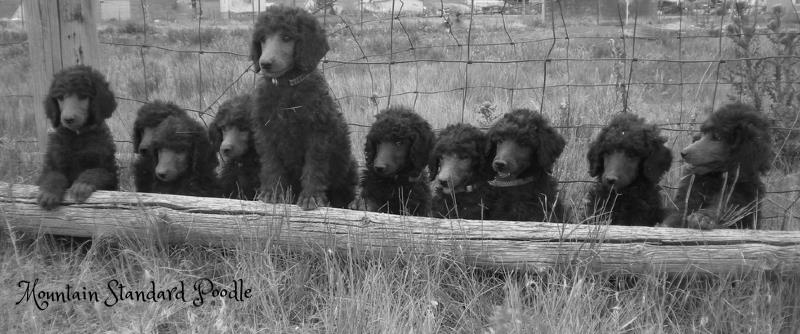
(397, 150)
(148, 117)
(628, 158)
(523, 148)
(183, 161)
(80, 152)
(300, 135)
(460, 173)
(722, 184)
(230, 134)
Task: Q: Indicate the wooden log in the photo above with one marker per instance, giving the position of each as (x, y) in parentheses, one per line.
(60, 34)
(528, 245)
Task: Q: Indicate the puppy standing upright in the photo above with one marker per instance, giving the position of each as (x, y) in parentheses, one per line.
(628, 157)
(80, 153)
(523, 148)
(301, 137)
(397, 150)
(724, 175)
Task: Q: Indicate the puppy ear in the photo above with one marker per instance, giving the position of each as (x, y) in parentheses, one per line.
(657, 163)
(751, 148)
(551, 144)
(255, 48)
(102, 103)
(137, 137)
(595, 159)
(433, 166)
(312, 44)
(214, 136)
(369, 151)
(420, 149)
(52, 111)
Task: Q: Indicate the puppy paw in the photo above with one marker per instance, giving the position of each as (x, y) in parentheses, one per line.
(49, 200)
(701, 221)
(311, 201)
(81, 191)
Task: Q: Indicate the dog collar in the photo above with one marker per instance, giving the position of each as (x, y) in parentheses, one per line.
(512, 183)
(293, 82)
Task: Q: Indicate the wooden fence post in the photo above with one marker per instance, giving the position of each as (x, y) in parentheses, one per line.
(61, 33)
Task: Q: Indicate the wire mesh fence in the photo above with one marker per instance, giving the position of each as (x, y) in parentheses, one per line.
(578, 62)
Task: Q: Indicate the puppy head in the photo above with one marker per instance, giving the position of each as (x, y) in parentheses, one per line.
(399, 132)
(458, 157)
(148, 117)
(230, 132)
(181, 147)
(626, 149)
(522, 143)
(735, 137)
(79, 96)
(287, 38)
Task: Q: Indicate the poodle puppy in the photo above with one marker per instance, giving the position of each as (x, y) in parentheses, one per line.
(523, 148)
(230, 134)
(300, 135)
(722, 184)
(148, 117)
(460, 173)
(183, 159)
(628, 158)
(80, 152)
(397, 150)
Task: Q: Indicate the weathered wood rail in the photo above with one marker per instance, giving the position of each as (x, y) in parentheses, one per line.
(530, 245)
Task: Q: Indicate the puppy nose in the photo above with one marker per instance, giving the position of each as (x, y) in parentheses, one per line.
(610, 180)
(226, 151)
(683, 154)
(499, 164)
(380, 169)
(161, 175)
(265, 65)
(68, 120)
(143, 151)
(444, 184)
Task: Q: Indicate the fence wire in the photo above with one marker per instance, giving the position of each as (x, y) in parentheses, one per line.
(542, 40)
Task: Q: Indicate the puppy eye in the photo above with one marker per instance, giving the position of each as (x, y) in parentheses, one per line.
(286, 38)
(696, 137)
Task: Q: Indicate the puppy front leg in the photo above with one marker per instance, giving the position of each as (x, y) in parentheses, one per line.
(272, 177)
(314, 180)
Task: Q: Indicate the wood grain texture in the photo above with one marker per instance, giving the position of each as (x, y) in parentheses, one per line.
(524, 245)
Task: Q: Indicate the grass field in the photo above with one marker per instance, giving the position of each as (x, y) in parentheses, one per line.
(326, 291)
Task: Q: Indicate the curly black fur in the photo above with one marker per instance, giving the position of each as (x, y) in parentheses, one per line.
(183, 134)
(468, 141)
(85, 156)
(300, 135)
(239, 176)
(149, 115)
(537, 200)
(746, 133)
(407, 191)
(640, 202)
